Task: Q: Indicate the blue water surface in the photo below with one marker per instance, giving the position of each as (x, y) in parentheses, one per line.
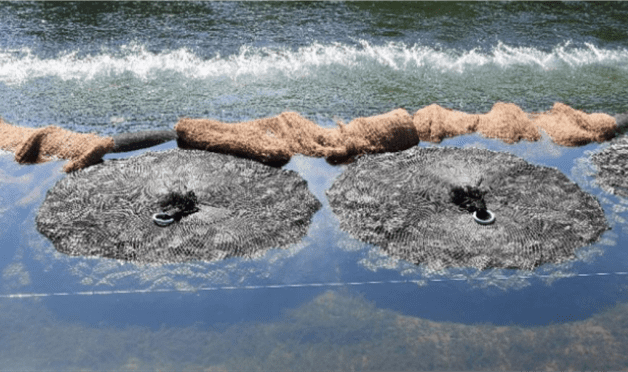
(330, 301)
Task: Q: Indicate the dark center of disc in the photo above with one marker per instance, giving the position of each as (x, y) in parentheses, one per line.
(470, 199)
(177, 205)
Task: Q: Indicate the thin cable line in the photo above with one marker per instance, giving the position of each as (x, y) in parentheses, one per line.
(279, 286)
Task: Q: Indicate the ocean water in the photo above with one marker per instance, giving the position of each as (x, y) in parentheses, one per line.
(330, 301)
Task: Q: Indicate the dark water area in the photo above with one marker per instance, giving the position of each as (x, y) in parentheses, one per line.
(330, 301)
(211, 28)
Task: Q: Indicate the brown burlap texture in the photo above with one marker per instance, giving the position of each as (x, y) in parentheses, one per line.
(434, 123)
(37, 145)
(274, 140)
(569, 127)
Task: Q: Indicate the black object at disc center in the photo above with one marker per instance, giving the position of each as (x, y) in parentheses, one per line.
(471, 199)
(174, 206)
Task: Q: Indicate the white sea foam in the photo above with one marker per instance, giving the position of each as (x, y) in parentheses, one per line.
(17, 66)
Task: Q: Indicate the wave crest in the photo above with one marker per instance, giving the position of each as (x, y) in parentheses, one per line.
(17, 66)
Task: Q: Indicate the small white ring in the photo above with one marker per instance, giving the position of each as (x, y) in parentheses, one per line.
(159, 220)
(488, 221)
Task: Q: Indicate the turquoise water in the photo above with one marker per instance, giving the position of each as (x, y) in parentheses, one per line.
(330, 301)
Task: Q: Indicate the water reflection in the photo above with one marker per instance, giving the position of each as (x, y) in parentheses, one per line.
(337, 330)
(325, 259)
(328, 302)
(141, 66)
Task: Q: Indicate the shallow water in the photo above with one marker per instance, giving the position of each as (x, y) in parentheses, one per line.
(329, 302)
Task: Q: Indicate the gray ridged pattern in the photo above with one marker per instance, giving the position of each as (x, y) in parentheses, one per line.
(245, 207)
(612, 166)
(401, 202)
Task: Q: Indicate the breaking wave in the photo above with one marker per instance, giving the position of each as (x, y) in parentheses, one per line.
(17, 66)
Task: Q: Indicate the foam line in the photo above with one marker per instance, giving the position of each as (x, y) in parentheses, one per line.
(285, 286)
(19, 65)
